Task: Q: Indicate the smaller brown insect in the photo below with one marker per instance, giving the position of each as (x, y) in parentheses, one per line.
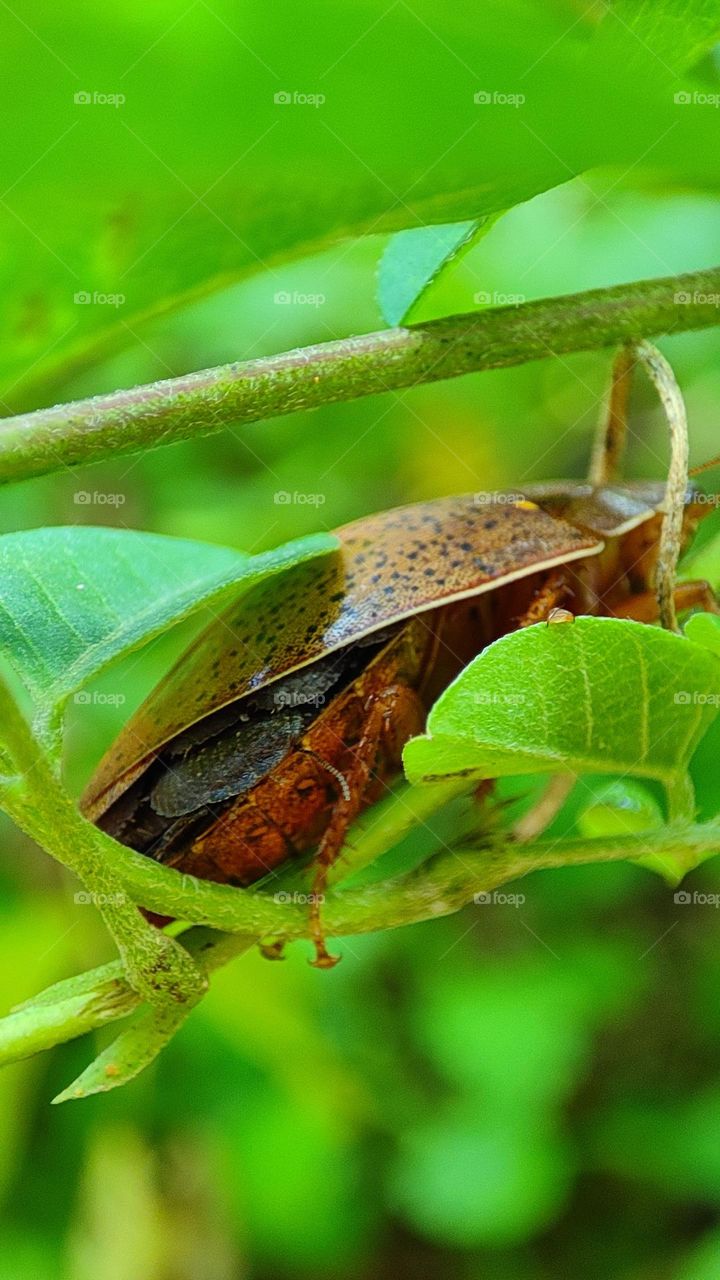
(289, 714)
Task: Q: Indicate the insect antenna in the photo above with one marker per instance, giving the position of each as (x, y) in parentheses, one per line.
(704, 466)
(611, 434)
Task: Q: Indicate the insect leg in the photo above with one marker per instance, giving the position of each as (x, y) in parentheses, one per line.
(550, 595)
(393, 715)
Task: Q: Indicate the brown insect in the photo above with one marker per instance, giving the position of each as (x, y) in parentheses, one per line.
(289, 714)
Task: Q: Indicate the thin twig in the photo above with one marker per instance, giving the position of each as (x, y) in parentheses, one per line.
(200, 403)
(671, 534)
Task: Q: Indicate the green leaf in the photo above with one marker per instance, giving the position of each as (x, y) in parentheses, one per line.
(108, 976)
(673, 33)
(41, 1024)
(413, 260)
(598, 695)
(129, 1054)
(706, 775)
(190, 199)
(76, 598)
(704, 629)
(704, 563)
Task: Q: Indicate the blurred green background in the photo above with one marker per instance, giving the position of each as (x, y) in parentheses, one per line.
(514, 1093)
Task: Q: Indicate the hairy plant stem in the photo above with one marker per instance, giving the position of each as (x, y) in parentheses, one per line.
(441, 886)
(171, 974)
(157, 967)
(199, 403)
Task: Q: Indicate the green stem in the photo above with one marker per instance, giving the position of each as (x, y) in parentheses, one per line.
(681, 800)
(159, 969)
(441, 886)
(200, 403)
(85, 1003)
(51, 1021)
(437, 888)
